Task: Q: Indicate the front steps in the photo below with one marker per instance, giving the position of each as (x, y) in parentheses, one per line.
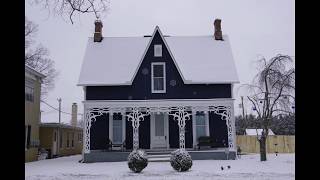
(159, 156)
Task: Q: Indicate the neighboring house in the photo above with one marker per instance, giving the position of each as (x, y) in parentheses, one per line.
(62, 139)
(254, 132)
(156, 76)
(33, 80)
(69, 143)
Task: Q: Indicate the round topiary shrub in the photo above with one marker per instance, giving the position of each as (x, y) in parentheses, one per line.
(180, 160)
(137, 160)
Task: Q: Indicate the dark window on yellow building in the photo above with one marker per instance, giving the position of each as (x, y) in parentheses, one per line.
(55, 136)
(60, 139)
(68, 140)
(72, 140)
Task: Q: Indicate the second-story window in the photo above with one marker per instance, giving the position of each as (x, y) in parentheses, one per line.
(29, 91)
(158, 78)
(158, 50)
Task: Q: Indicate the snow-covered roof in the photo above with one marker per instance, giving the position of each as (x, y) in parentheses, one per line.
(253, 132)
(29, 69)
(62, 125)
(200, 59)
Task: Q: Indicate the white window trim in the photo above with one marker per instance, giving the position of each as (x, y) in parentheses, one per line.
(121, 129)
(164, 77)
(154, 50)
(194, 126)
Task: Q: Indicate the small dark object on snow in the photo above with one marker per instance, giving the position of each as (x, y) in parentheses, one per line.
(229, 167)
(222, 168)
(276, 153)
(180, 160)
(137, 160)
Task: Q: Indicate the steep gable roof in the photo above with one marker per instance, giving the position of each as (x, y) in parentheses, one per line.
(157, 29)
(199, 59)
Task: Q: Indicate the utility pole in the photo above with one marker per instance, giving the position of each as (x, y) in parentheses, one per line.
(59, 133)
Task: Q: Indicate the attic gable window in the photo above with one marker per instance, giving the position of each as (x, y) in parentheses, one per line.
(158, 77)
(158, 50)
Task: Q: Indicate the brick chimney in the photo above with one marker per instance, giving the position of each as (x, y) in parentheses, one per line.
(74, 113)
(98, 31)
(217, 30)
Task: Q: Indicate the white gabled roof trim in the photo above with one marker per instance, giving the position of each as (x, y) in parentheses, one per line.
(146, 50)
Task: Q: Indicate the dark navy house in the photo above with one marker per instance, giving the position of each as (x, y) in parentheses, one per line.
(152, 77)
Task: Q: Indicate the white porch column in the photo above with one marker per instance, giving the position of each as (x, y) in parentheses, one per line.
(194, 128)
(233, 127)
(181, 116)
(123, 126)
(111, 126)
(135, 117)
(226, 112)
(206, 116)
(86, 131)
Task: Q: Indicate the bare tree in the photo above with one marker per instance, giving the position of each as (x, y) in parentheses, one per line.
(38, 58)
(272, 94)
(71, 7)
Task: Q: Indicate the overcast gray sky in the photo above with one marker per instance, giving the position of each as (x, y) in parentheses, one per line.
(254, 28)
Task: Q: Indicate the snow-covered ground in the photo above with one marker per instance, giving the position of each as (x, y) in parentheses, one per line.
(248, 167)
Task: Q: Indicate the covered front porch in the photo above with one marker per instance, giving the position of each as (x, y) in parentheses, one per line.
(158, 126)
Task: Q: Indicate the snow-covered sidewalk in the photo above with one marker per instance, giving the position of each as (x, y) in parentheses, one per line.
(248, 167)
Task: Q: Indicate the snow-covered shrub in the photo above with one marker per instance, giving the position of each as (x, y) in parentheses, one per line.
(180, 160)
(137, 160)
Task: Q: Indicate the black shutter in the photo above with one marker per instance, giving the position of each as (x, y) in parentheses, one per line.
(28, 136)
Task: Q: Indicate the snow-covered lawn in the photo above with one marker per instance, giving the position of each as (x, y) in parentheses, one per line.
(248, 167)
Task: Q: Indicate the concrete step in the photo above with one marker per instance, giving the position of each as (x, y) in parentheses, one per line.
(159, 156)
(162, 159)
(158, 152)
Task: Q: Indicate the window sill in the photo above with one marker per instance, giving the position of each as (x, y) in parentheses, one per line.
(158, 92)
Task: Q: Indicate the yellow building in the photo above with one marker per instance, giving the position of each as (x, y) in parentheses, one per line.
(68, 143)
(33, 80)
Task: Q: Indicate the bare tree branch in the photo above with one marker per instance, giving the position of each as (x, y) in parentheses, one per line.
(70, 8)
(272, 93)
(38, 58)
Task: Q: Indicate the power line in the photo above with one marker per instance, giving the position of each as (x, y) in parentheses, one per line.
(58, 109)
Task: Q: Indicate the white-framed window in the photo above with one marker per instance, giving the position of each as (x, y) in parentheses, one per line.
(201, 124)
(158, 77)
(157, 50)
(117, 128)
(29, 90)
(29, 93)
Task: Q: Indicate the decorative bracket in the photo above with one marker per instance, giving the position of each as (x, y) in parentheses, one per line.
(135, 116)
(181, 116)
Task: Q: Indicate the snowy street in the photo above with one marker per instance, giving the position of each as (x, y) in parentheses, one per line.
(248, 167)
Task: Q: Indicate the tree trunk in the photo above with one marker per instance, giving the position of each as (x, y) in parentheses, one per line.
(263, 148)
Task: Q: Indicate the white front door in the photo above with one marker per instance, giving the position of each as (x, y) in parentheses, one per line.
(159, 127)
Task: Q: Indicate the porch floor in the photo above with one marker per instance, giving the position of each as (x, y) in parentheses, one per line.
(115, 156)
